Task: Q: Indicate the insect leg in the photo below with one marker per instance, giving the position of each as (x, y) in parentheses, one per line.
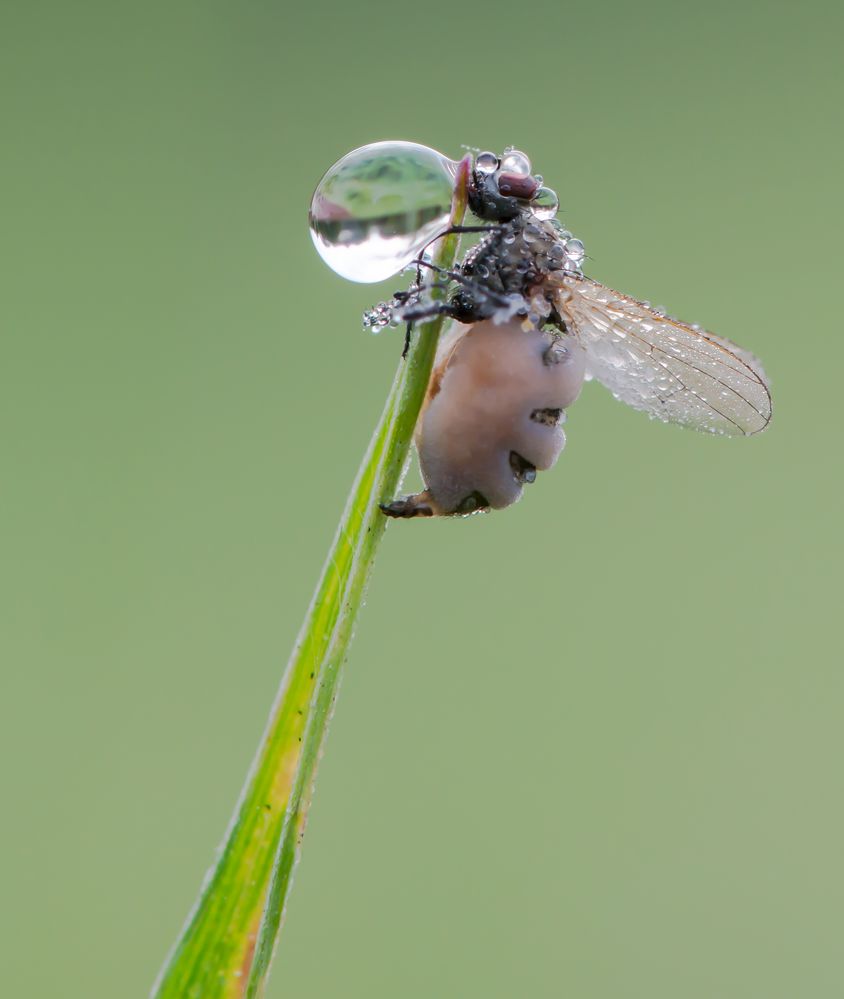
(414, 313)
(411, 506)
(459, 230)
(466, 281)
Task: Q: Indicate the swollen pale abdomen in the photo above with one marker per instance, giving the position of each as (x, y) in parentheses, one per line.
(493, 413)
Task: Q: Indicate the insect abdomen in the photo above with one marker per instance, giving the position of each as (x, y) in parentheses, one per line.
(492, 416)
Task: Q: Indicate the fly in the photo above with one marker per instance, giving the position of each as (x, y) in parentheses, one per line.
(519, 293)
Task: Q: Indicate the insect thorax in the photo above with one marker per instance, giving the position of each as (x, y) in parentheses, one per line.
(504, 275)
(508, 268)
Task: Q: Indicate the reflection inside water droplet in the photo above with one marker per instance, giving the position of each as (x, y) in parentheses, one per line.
(379, 206)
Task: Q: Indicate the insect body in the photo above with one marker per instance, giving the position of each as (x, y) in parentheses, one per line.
(492, 412)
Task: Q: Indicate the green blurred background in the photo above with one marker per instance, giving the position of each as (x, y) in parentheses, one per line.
(590, 746)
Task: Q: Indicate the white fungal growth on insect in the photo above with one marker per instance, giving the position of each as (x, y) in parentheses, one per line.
(492, 416)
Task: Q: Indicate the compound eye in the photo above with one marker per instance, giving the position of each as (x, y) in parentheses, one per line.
(517, 185)
(486, 163)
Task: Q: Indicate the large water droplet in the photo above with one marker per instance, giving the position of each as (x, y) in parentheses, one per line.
(379, 206)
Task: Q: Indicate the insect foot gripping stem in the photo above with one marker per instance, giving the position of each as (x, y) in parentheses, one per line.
(411, 506)
(492, 417)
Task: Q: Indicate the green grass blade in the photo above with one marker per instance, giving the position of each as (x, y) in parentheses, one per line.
(225, 948)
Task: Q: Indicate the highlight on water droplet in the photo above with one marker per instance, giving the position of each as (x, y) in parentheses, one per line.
(378, 207)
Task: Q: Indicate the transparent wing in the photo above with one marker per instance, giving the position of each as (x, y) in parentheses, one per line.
(672, 371)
